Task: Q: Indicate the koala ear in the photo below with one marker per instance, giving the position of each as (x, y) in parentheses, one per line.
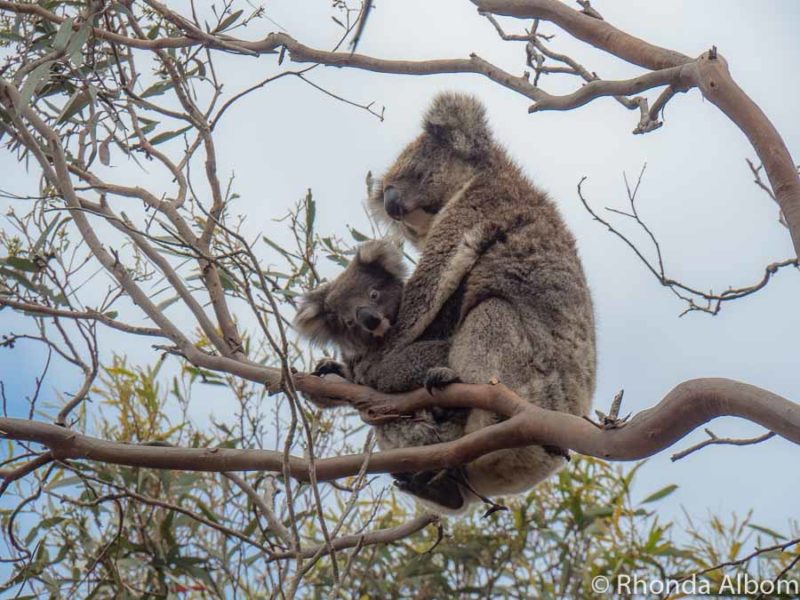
(382, 254)
(459, 121)
(311, 320)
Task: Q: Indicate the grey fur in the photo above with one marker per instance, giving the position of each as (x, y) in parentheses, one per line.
(523, 314)
(328, 315)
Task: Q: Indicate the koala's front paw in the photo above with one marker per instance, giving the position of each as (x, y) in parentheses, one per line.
(328, 366)
(440, 377)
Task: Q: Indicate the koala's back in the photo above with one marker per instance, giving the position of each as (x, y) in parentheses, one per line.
(525, 314)
(536, 273)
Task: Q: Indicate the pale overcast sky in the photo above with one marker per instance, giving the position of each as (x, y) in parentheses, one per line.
(715, 227)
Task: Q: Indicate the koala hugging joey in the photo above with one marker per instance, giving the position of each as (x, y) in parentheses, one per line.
(522, 313)
(356, 313)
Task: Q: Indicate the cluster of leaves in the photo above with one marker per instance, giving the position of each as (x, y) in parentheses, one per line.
(90, 529)
(552, 542)
(102, 530)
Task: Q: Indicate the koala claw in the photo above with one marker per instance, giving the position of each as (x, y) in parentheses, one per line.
(440, 377)
(329, 366)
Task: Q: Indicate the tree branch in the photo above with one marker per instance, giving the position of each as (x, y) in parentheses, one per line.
(89, 315)
(381, 536)
(688, 406)
(679, 76)
(712, 77)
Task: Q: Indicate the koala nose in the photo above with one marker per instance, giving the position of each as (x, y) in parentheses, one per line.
(391, 203)
(368, 318)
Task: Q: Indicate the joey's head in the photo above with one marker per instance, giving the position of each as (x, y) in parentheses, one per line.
(454, 145)
(355, 310)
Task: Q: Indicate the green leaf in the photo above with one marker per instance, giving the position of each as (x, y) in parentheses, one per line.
(229, 20)
(112, 314)
(76, 44)
(357, 235)
(206, 511)
(45, 234)
(311, 213)
(39, 289)
(157, 89)
(62, 36)
(168, 135)
(22, 264)
(79, 100)
(168, 302)
(768, 531)
(598, 512)
(38, 76)
(228, 283)
(337, 259)
(662, 493)
(10, 36)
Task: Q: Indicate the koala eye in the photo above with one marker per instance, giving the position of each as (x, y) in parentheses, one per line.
(374, 294)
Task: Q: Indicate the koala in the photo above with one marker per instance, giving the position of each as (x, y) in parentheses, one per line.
(355, 313)
(521, 314)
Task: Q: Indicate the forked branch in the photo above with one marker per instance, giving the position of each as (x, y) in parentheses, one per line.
(687, 407)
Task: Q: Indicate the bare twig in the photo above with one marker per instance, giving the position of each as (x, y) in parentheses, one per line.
(713, 440)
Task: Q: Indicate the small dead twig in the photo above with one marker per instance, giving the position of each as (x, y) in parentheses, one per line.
(713, 440)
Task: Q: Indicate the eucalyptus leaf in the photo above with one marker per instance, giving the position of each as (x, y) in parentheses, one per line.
(168, 135)
(229, 20)
(62, 36)
(77, 102)
(37, 77)
(662, 493)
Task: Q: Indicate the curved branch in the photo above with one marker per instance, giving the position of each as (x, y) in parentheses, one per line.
(599, 34)
(688, 406)
(717, 85)
(712, 77)
(711, 74)
(678, 76)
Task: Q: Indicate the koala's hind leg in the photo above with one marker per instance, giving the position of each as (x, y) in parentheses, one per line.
(433, 487)
(494, 342)
(448, 488)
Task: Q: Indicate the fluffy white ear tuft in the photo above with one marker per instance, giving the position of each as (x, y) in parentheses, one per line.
(311, 319)
(459, 120)
(383, 254)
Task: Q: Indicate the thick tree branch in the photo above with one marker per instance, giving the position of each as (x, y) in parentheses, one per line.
(679, 76)
(9, 476)
(599, 34)
(717, 85)
(56, 169)
(688, 406)
(711, 74)
(712, 77)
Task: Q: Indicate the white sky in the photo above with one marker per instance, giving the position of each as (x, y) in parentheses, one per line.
(715, 227)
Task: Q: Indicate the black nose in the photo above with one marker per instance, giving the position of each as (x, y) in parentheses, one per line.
(368, 318)
(391, 203)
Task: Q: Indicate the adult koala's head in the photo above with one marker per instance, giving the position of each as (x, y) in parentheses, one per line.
(455, 143)
(355, 310)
